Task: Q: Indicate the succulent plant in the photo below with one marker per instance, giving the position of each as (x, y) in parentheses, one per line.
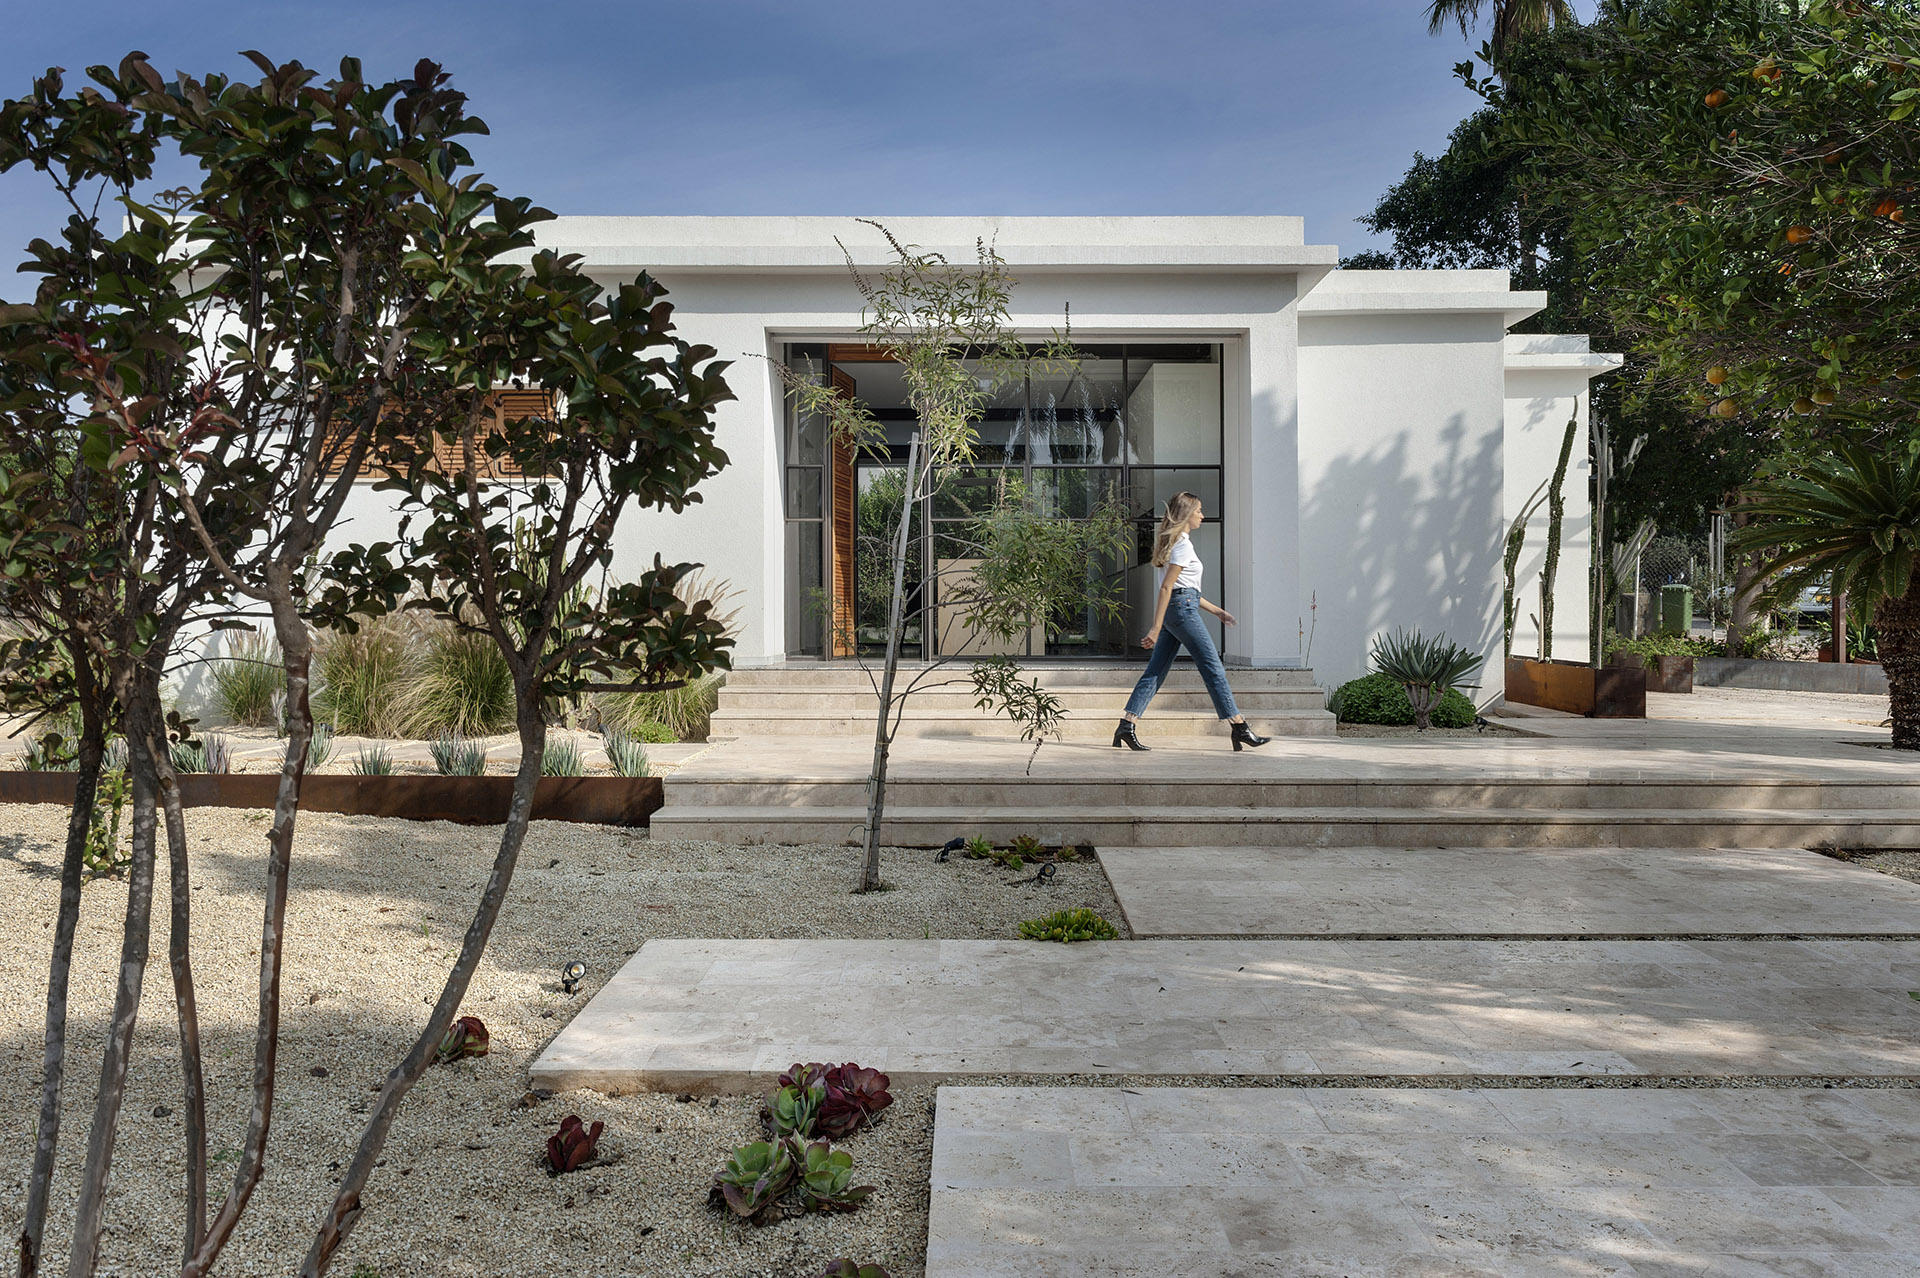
(454, 756)
(792, 1110)
(1028, 846)
(562, 759)
(854, 1094)
(374, 761)
(1008, 859)
(755, 1176)
(573, 1144)
(319, 746)
(844, 1268)
(465, 1037)
(628, 756)
(216, 753)
(826, 1180)
(979, 849)
(1069, 925)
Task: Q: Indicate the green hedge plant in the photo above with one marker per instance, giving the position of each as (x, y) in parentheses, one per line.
(1069, 925)
(1378, 698)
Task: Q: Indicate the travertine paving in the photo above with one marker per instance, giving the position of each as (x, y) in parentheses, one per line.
(1319, 1183)
(1243, 891)
(730, 1014)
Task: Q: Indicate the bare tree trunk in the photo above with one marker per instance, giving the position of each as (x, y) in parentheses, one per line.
(883, 725)
(185, 1005)
(344, 1214)
(296, 651)
(1746, 576)
(142, 722)
(92, 749)
(1838, 614)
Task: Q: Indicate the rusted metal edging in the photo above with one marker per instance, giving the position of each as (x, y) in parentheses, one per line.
(462, 800)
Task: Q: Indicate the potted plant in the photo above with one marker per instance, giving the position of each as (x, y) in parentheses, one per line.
(1667, 660)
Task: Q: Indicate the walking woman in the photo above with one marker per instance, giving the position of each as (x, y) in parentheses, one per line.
(1176, 621)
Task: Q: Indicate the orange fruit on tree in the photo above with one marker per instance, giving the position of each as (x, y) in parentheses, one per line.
(1799, 234)
(1716, 376)
(1803, 406)
(1724, 408)
(1905, 372)
(1718, 98)
(1823, 396)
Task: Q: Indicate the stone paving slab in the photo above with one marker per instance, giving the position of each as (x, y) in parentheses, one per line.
(729, 1015)
(1416, 1183)
(1252, 891)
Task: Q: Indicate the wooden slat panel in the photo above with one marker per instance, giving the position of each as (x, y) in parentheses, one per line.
(857, 353)
(840, 473)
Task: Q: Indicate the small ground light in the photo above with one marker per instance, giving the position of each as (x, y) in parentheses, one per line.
(571, 974)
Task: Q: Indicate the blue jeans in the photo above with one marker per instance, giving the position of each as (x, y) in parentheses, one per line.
(1183, 626)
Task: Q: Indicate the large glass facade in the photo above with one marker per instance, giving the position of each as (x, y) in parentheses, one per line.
(1137, 421)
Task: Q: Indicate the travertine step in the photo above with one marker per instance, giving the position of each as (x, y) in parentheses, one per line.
(1189, 826)
(921, 721)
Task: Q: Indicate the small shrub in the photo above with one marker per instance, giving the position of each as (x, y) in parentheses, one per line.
(1665, 645)
(1069, 925)
(653, 732)
(244, 683)
(362, 677)
(979, 849)
(49, 752)
(373, 761)
(467, 1037)
(628, 757)
(572, 1145)
(753, 1179)
(454, 757)
(683, 713)
(1378, 698)
(319, 746)
(101, 857)
(562, 759)
(1427, 668)
(460, 685)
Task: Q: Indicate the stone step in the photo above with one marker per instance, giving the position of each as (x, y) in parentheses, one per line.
(1186, 826)
(1557, 794)
(1120, 675)
(729, 1015)
(1103, 704)
(918, 721)
(1107, 1181)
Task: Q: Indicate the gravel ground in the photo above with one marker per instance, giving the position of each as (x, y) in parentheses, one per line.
(375, 915)
(1901, 864)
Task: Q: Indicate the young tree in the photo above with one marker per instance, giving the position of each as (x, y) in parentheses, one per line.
(632, 429)
(948, 328)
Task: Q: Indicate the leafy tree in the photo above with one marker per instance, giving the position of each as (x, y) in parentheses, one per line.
(1513, 20)
(947, 326)
(633, 429)
(1852, 515)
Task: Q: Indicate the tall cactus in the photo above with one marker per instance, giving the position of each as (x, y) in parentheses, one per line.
(1556, 515)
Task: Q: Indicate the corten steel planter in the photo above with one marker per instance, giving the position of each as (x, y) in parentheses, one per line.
(1664, 674)
(1611, 692)
(462, 800)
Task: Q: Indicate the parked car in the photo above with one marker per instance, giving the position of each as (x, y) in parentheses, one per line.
(1815, 602)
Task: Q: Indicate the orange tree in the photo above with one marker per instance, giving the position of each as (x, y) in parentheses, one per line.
(1744, 178)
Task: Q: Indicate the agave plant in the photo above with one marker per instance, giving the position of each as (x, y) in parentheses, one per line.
(792, 1111)
(562, 759)
(572, 1145)
(187, 756)
(319, 746)
(628, 756)
(466, 1037)
(844, 1268)
(854, 1095)
(826, 1180)
(216, 753)
(373, 761)
(454, 756)
(755, 1176)
(1426, 668)
(1854, 514)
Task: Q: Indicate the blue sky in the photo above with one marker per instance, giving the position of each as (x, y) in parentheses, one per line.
(852, 106)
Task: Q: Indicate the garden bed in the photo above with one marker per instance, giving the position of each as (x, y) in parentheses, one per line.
(376, 912)
(483, 800)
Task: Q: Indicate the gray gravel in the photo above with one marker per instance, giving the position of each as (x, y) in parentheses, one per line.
(375, 916)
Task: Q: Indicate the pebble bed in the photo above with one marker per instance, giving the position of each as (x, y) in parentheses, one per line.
(375, 916)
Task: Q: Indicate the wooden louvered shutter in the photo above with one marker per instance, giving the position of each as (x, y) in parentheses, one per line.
(840, 482)
(514, 406)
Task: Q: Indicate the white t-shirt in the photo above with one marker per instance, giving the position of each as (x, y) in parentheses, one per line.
(1183, 556)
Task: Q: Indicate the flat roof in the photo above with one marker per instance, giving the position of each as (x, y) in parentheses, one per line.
(1066, 243)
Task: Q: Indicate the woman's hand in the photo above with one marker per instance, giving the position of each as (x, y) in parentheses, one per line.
(1226, 618)
(1152, 639)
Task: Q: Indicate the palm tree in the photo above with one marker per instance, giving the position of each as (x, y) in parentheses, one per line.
(1512, 19)
(1854, 514)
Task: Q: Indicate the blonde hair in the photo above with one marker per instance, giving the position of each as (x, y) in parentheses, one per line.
(1173, 525)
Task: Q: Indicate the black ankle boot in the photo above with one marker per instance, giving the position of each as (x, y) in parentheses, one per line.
(1243, 735)
(1124, 736)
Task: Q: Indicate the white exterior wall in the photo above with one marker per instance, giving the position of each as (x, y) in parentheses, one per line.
(1369, 417)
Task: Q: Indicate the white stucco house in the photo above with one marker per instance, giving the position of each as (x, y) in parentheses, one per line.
(1361, 440)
